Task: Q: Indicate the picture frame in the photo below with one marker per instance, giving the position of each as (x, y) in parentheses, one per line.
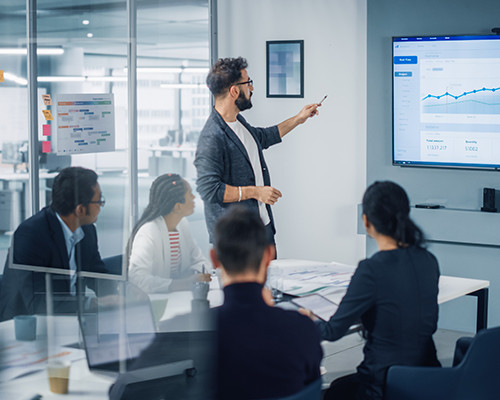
(285, 68)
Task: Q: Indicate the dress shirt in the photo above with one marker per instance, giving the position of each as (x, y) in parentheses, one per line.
(71, 239)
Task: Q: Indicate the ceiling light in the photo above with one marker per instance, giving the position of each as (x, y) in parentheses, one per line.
(183, 85)
(47, 51)
(106, 78)
(85, 22)
(14, 78)
(61, 78)
(196, 70)
(159, 70)
(90, 35)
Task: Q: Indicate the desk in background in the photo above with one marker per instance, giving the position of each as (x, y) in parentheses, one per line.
(169, 159)
(15, 199)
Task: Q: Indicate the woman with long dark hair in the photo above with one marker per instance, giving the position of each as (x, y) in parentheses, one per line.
(161, 250)
(393, 293)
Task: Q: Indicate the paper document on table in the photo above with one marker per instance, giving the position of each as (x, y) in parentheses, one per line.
(19, 358)
(318, 278)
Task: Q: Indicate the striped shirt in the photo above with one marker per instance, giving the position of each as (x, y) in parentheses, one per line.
(175, 254)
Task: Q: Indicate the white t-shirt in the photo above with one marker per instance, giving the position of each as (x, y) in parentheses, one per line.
(253, 154)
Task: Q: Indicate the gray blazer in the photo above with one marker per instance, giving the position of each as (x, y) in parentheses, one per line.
(222, 159)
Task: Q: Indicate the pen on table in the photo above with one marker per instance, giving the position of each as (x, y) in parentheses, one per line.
(36, 397)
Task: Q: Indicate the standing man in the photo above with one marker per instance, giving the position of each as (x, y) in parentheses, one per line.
(229, 160)
(264, 352)
(59, 236)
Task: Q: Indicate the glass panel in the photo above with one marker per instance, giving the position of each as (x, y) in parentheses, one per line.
(14, 103)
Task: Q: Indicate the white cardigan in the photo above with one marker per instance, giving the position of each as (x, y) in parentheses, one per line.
(149, 264)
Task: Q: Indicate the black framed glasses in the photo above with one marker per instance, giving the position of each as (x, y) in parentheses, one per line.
(249, 82)
(101, 202)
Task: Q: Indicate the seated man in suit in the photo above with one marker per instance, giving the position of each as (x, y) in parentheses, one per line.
(263, 351)
(59, 236)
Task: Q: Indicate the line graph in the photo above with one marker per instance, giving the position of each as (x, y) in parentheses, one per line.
(483, 101)
(456, 97)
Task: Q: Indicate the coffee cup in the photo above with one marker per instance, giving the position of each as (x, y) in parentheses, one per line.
(58, 372)
(25, 327)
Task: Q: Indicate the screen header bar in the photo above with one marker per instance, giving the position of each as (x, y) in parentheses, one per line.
(444, 38)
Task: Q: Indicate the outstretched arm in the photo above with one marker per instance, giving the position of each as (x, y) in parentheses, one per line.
(307, 112)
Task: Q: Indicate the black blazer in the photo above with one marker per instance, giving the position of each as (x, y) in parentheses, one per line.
(263, 352)
(40, 241)
(222, 159)
(394, 293)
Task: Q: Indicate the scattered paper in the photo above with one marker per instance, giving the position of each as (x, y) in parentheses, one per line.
(20, 358)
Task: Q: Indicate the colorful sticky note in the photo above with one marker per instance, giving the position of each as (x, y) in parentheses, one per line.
(1, 75)
(46, 99)
(48, 115)
(45, 147)
(46, 130)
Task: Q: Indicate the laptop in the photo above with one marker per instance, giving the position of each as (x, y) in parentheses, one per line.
(116, 329)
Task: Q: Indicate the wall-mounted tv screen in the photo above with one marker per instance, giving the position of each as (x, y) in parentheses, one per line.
(446, 101)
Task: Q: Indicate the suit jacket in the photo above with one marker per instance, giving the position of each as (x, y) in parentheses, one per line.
(149, 265)
(263, 352)
(221, 159)
(39, 241)
(394, 293)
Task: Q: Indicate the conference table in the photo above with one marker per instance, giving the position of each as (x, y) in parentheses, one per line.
(87, 385)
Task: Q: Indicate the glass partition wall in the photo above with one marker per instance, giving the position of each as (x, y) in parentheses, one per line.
(82, 48)
(85, 62)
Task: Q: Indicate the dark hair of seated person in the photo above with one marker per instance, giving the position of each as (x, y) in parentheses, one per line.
(166, 191)
(387, 208)
(71, 187)
(240, 240)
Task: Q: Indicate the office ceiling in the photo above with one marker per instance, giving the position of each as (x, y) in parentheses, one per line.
(174, 30)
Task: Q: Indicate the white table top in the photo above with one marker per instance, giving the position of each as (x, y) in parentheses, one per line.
(88, 386)
(450, 287)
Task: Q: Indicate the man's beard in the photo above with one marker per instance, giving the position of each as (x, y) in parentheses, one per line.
(243, 103)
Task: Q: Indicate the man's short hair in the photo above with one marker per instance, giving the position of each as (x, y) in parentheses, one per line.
(240, 240)
(224, 73)
(73, 186)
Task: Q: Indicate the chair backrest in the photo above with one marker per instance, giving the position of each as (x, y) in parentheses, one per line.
(113, 264)
(310, 392)
(476, 377)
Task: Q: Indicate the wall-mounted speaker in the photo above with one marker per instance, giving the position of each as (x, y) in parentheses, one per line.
(488, 200)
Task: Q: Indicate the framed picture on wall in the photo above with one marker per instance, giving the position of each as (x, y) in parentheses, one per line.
(285, 68)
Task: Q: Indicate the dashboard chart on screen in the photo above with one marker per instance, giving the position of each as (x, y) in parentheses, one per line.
(446, 101)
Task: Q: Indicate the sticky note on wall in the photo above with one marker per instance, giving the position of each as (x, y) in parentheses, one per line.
(48, 115)
(46, 130)
(45, 147)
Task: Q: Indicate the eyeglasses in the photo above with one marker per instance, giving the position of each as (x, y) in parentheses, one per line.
(249, 82)
(101, 202)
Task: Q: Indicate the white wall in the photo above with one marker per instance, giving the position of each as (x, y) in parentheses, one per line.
(457, 189)
(321, 166)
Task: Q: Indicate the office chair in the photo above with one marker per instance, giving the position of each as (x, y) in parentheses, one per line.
(310, 392)
(476, 377)
(113, 264)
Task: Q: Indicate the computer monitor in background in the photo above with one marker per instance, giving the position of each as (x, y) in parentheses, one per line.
(14, 153)
(53, 162)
